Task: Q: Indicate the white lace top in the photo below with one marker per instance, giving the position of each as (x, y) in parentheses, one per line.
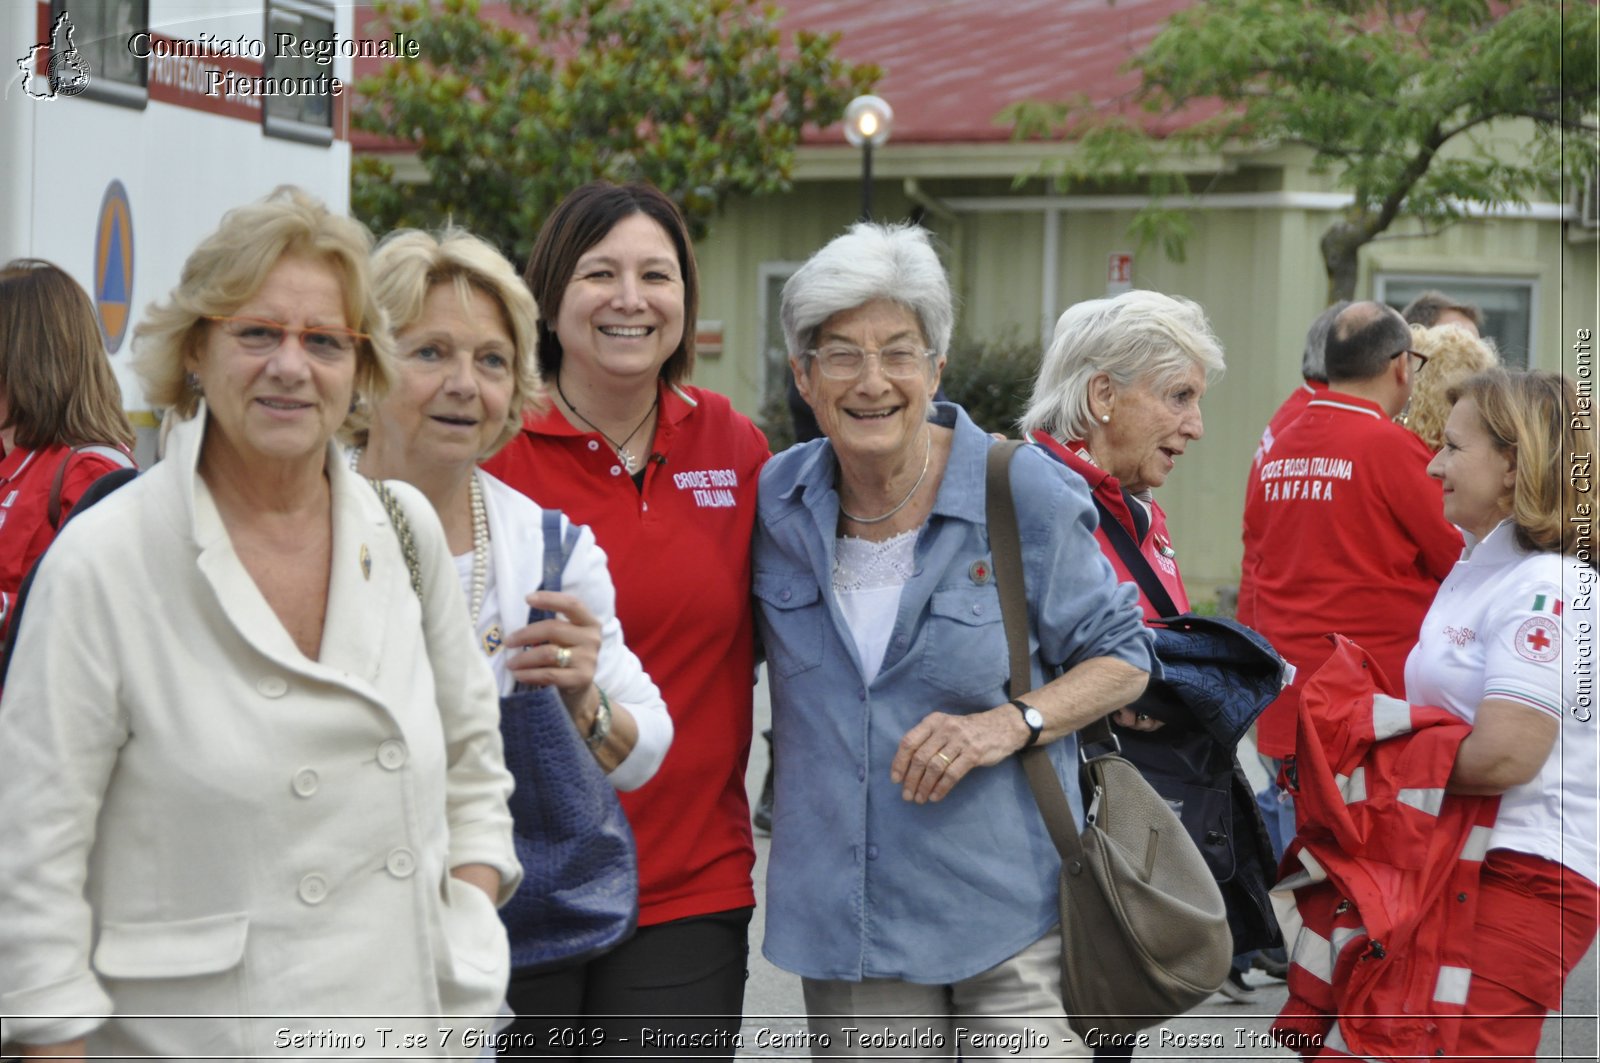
(867, 580)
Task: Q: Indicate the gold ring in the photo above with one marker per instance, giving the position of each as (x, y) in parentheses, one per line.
(563, 656)
(944, 757)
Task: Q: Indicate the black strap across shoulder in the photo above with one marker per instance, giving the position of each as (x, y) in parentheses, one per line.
(1136, 563)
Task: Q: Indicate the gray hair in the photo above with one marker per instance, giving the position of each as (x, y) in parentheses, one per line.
(870, 261)
(1314, 362)
(1136, 335)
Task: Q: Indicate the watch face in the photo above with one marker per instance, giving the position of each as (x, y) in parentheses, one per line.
(1035, 719)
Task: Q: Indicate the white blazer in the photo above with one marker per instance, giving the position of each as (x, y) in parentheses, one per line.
(196, 819)
(516, 545)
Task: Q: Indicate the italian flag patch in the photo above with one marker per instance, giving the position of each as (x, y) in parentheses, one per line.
(1543, 603)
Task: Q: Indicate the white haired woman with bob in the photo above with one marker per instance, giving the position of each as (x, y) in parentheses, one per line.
(281, 800)
(911, 873)
(1117, 401)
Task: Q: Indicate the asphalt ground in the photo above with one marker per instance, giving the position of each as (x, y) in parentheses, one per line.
(774, 1019)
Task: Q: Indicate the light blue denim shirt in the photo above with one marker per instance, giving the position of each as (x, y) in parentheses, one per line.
(862, 883)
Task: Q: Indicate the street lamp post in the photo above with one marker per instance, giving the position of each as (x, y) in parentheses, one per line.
(867, 121)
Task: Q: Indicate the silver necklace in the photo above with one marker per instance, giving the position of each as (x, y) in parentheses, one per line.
(629, 459)
(480, 538)
(927, 459)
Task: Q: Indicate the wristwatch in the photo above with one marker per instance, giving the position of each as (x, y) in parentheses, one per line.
(1033, 718)
(602, 723)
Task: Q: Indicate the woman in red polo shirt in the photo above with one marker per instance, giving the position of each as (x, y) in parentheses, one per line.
(61, 420)
(665, 475)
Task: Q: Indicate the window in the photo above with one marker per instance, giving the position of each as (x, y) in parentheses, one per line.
(101, 31)
(1506, 303)
(298, 32)
(774, 350)
(775, 375)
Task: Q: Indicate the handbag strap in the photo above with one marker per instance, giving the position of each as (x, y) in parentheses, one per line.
(557, 549)
(1135, 562)
(1005, 548)
(52, 506)
(402, 531)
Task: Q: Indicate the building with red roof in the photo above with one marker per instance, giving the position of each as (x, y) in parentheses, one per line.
(1019, 251)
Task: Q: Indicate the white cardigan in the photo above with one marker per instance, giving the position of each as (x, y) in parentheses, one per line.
(516, 547)
(196, 819)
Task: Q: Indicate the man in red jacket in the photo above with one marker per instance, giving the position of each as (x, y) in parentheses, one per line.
(1349, 529)
(1315, 376)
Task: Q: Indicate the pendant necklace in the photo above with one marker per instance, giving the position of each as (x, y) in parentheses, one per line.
(630, 461)
(927, 458)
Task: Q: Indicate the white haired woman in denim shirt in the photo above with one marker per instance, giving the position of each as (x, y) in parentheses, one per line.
(911, 873)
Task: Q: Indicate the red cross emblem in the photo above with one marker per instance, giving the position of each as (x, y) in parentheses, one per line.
(979, 572)
(1536, 640)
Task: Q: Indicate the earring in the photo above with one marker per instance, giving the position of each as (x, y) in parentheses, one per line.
(192, 382)
(1105, 418)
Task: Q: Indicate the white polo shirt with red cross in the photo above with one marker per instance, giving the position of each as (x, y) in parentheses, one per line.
(1519, 626)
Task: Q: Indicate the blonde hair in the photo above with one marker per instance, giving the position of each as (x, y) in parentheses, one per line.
(1453, 355)
(1531, 417)
(230, 266)
(58, 385)
(406, 266)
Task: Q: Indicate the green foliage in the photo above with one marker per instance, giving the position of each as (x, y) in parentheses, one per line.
(700, 97)
(775, 421)
(1375, 88)
(993, 382)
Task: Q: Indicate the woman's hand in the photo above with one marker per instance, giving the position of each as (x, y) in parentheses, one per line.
(939, 752)
(537, 656)
(482, 876)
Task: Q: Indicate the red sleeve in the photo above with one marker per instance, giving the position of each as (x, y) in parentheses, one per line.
(759, 445)
(1245, 609)
(1418, 504)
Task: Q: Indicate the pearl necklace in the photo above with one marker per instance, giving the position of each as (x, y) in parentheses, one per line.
(480, 538)
(927, 459)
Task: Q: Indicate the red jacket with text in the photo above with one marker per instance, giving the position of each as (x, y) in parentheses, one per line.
(1292, 407)
(1351, 540)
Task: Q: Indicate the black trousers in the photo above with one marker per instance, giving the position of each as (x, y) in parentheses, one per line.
(673, 989)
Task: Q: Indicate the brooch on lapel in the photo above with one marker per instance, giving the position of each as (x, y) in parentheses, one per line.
(366, 562)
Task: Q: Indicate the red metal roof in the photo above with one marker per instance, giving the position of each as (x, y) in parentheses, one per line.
(950, 66)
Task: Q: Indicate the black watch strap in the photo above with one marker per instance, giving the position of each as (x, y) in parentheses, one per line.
(1030, 714)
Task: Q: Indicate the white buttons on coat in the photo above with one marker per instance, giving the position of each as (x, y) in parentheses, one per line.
(272, 686)
(313, 888)
(392, 754)
(305, 782)
(401, 863)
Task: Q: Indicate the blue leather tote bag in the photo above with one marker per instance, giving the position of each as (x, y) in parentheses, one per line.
(579, 896)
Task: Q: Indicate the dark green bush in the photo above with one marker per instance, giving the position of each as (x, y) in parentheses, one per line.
(992, 381)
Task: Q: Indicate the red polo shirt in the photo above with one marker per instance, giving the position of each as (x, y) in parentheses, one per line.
(26, 477)
(679, 555)
(1352, 539)
(1291, 408)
